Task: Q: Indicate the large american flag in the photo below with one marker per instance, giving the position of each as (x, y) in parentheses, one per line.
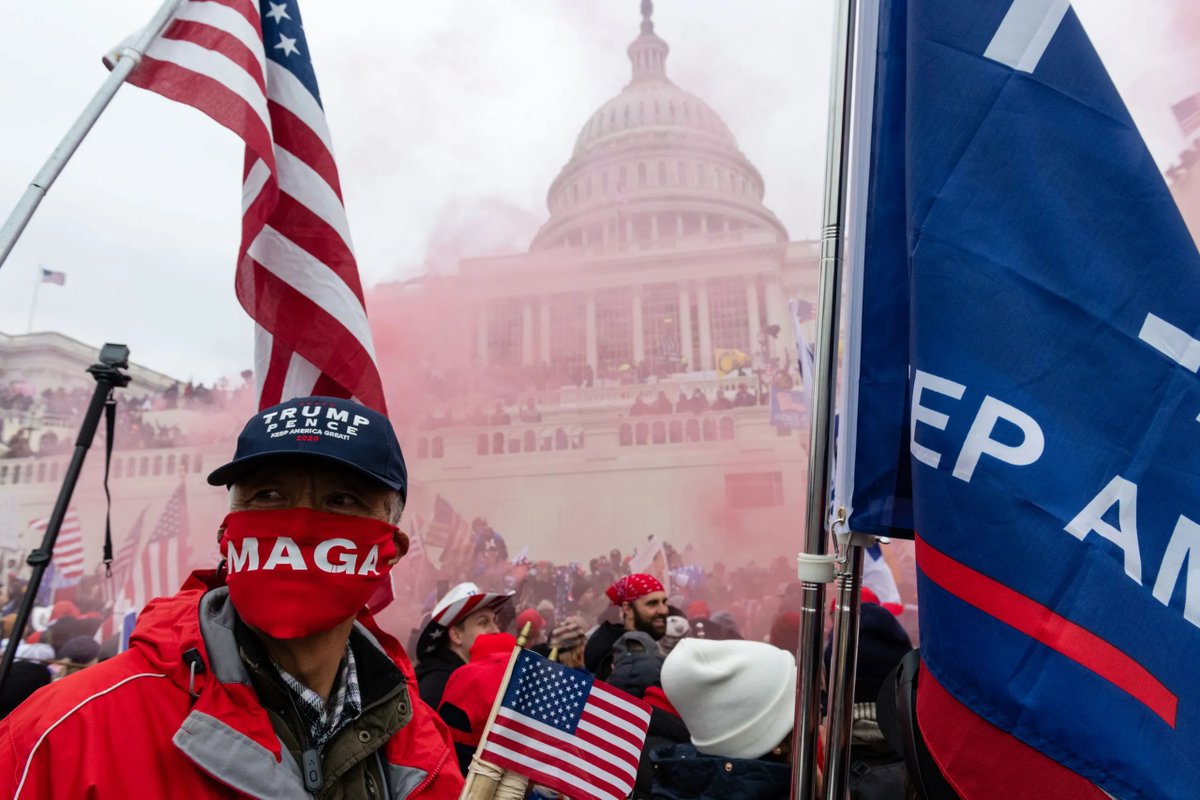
(567, 731)
(162, 566)
(249, 68)
(68, 548)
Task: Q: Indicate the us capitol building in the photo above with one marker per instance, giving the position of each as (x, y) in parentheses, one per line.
(657, 251)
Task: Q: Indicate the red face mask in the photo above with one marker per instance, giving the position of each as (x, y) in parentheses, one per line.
(296, 572)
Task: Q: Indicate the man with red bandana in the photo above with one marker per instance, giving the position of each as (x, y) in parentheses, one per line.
(642, 602)
(267, 678)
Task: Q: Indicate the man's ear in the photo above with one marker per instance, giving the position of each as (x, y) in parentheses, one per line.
(456, 635)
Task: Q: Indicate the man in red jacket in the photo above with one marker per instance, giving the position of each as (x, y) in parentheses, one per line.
(267, 678)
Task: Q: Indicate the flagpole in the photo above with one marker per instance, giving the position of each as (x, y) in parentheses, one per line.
(843, 665)
(128, 57)
(37, 285)
(815, 565)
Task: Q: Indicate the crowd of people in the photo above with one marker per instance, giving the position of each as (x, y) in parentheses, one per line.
(32, 413)
(272, 676)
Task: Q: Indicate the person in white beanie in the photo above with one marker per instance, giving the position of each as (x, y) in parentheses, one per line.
(737, 699)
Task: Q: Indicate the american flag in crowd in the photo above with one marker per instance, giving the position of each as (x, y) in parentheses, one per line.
(249, 68)
(1187, 114)
(162, 566)
(123, 559)
(567, 731)
(68, 549)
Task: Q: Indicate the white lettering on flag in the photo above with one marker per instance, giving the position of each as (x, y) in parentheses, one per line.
(1174, 343)
(1025, 33)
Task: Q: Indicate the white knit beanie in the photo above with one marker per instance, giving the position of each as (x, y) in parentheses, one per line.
(736, 697)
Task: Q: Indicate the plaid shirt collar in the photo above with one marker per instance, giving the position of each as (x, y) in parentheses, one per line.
(324, 720)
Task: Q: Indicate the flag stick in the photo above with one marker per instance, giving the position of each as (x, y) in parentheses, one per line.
(128, 58)
(482, 777)
(815, 566)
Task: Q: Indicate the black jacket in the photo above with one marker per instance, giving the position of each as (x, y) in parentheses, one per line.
(432, 673)
(598, 652)
(683, 773)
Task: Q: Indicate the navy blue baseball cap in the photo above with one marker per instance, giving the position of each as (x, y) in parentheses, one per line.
(329, 428)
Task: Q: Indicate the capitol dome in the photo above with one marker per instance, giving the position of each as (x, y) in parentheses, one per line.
(654, 165)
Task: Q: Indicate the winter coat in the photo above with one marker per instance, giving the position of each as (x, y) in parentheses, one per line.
(665, 729)
(178, 715)
(598, 653)
(683, 773)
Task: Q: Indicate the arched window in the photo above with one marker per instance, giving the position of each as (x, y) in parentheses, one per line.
(676, 431)
(131, 468)
(158, 464)
(710, 430)
(144, 466)
(117, 468)
(422, 448)
(662, 173)
(54, 471)
(693, 430)
(701, 176)
(41, 472)
(171, 464)
(659, 432)
(682, 174)
(641, 174)
(643, 433)
(625, 435)
(547, 441)
(726, 427)
(560, 439)
(498, 443)
(481, 444)
(438, 447)
(530, 441)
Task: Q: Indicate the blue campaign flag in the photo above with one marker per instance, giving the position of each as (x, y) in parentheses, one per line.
(1025, 341)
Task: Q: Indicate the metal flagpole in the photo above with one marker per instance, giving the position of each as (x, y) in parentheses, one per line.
(815, 565)
(37, 285)
(128, 58)
(843, 665)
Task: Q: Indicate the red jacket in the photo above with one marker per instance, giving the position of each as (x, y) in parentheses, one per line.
(145, 724)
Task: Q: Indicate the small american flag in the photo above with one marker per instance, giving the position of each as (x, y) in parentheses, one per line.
(567, 731)
(250, 69)
(163, 562)
(50, 276)
(68, 549)
(1187, 114)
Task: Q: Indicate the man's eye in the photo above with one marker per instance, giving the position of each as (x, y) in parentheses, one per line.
(340, 500)
(267, 495)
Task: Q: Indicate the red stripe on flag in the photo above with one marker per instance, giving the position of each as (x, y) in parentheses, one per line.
(273, 381)
(219, 41)
(313, 235)
(244, 7)
(293, 135)
(983, 762)
(1047, 627)
(312, 331)
(209, 96)
(579, 778)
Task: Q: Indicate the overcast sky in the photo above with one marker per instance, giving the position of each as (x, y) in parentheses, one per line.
(447, 117)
